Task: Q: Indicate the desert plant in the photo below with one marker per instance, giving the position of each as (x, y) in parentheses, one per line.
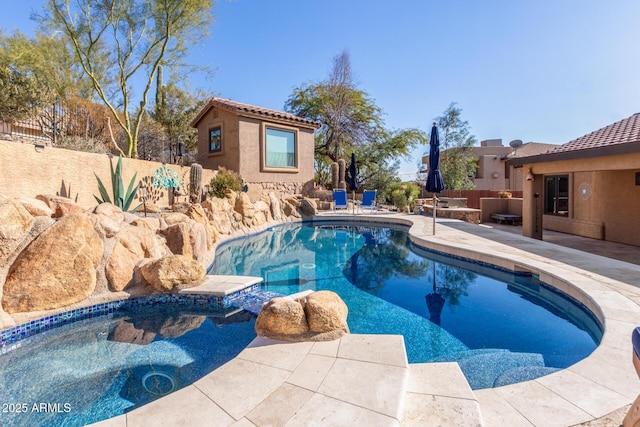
(342, 166)
(403, 195)
(195, 183)
(121, 198)
(224, 179)
(334, 175)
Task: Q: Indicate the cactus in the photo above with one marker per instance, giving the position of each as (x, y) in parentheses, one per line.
(334, 175)
(342, 166)
(195, 183)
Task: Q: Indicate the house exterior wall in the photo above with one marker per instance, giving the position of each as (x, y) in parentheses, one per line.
(229, 157)
(604, 200)
(243, 150)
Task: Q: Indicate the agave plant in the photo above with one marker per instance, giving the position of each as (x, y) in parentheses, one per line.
(121, 198)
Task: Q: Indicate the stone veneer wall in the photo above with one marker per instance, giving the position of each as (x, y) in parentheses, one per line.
(24, 173)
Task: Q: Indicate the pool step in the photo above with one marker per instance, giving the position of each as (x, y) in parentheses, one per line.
(438, 394)
(490, 366)
(222, 285)
(254, 300)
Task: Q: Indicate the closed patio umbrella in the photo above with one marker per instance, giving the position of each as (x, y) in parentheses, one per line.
(434, 184)
(352, 178)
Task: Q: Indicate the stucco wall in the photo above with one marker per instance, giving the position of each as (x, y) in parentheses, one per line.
(242, 139)
(251, 139)
(604, 200)
(229, 157)
(488, 166)
(27, 173)
(489, 205)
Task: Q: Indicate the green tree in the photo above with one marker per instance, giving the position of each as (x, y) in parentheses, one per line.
(20, 94)
(175, 111)
(457, 164)
(350, 122)
(48, 60)
(119, 43)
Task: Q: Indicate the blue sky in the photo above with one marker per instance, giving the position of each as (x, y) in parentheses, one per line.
(544, 70)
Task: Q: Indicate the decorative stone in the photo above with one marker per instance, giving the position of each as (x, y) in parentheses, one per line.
(281, 316)
(326, 312)
(37, 207)
(57, 269)
(172, 272)
(15, 224)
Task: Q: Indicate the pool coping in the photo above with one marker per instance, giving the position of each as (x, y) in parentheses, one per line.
(603, 382)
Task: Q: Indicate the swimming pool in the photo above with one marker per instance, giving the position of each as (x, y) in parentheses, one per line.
(499, 326)
(103, 366)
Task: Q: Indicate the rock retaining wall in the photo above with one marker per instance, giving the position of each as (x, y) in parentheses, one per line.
(54, 253)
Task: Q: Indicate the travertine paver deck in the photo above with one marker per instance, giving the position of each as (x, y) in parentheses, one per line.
(356, 380)
(272, 383)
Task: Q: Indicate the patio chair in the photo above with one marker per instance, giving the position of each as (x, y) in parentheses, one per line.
(340, 199)
(369, 200)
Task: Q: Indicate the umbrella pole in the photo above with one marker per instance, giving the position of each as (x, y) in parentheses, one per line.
(434, 214)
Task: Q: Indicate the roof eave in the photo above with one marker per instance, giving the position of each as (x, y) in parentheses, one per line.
(587, 153)
(261, 116)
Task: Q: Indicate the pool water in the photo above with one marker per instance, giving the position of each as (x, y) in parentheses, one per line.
(499, 326)
(101, 367)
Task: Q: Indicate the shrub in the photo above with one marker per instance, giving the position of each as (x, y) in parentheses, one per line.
(403, 195)
(224, 179)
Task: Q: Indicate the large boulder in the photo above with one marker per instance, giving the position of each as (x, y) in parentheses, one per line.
(289, 209)
(274, 206)
(14, 226)
(326, 312)
(281, 317)
(57, 269)
(175, 218)
(197, 213)
(244, 206)
(37, 207)
(132, 245)
(172, 272)
(308, 207)
(178, 238)
(61, 206)
(198, 239)
(111, 211)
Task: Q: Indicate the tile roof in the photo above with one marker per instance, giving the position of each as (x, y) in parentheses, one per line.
(623, 132)
(242, 109)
